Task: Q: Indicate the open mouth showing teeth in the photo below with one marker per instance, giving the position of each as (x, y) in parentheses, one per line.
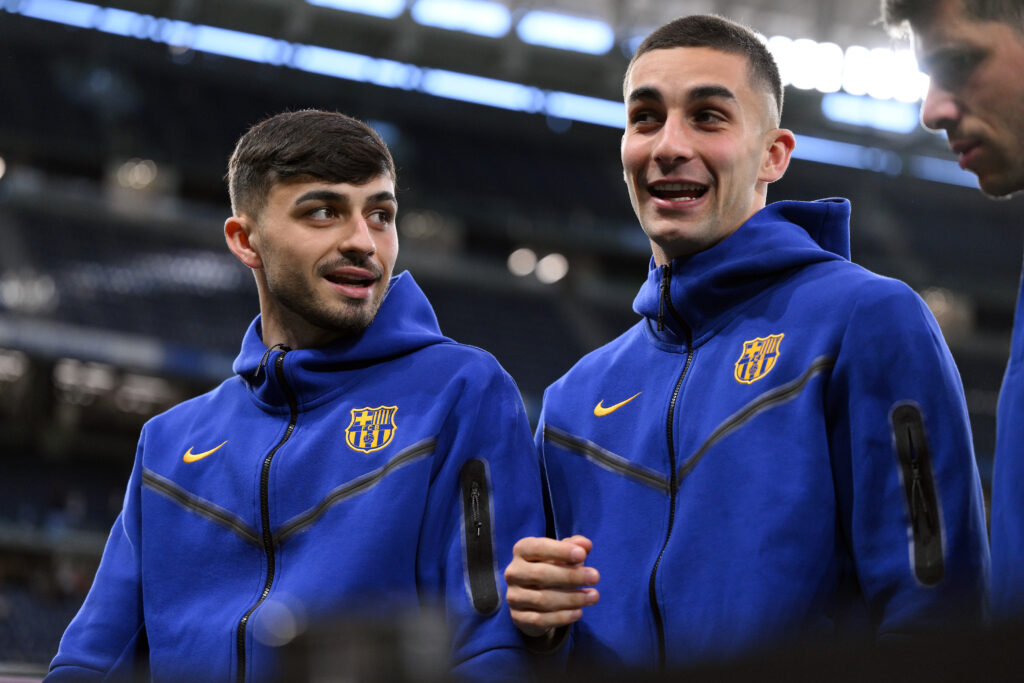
(678, 192)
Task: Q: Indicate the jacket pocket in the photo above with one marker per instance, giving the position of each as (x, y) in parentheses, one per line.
(478, 543)
(914, 457)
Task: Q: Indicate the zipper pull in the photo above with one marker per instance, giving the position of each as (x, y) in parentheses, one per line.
(666, 280)
(474, 496)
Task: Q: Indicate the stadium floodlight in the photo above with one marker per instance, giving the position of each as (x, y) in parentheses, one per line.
(480, 90)
(847, 154)
(66, 12)
(889, 115)
(594, 110)
(387, 9)
(942, 171)
(565, 32)
(480, 17)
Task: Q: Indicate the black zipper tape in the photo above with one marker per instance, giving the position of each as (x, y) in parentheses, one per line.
(479, 547)
(914, 456)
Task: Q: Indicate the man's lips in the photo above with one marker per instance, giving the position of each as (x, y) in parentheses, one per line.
(352, 281)
(676, 193)
(966, 151)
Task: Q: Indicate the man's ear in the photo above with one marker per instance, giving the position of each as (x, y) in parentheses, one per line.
(776, 160)
(238, 233)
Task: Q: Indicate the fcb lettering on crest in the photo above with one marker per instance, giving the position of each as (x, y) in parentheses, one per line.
(758, 358)
(371, 429)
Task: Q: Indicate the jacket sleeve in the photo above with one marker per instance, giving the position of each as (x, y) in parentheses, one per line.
(485, 496)
(106, 641)
(907, 483)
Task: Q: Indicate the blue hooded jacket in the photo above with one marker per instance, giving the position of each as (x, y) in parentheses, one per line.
(388, 470)
(778, 450)
(1007, 480)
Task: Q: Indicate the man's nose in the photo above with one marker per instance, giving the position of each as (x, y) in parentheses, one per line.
(674, 142)
(940, 109)
(358, 237)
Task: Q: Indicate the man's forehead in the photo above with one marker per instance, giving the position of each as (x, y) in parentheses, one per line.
(669, 71)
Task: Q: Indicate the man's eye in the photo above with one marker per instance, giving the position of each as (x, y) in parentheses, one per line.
(382, 216)
(322, 213)
(708, 116)
(642, 116)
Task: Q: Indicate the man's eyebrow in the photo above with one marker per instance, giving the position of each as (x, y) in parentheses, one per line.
(332, 196)
(706, 92)
(700, 92)
(645, 92)
(383, 196)
(322, 196)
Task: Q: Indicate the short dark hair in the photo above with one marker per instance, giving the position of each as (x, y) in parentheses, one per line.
(719, 33)
(900, 16)
(324, 145)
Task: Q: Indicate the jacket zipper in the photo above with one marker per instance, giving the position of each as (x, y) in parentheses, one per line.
(268, 540)
(666, 303)
(919, 489)
(476, 511)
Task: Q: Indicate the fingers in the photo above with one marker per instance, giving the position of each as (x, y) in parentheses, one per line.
(537, 612)
(548, 575)
(573, 550)
(548, 583)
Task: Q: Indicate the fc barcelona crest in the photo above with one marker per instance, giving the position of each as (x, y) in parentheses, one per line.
(371, 429)
(758, 358)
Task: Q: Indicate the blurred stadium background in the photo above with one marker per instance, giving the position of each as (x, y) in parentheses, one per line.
(118, 298)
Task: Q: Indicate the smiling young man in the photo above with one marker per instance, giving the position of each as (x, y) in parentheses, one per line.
(974, 52)
(359, 463)
(779, 449)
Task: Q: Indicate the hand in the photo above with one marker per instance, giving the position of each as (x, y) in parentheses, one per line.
(548, 584)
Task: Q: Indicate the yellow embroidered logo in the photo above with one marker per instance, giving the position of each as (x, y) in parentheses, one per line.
(601, 411)
(758, 358)
(371, 429)
(193, 457)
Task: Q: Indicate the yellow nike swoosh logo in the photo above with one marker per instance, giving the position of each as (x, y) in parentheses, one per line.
(192, 457)
(601, 411)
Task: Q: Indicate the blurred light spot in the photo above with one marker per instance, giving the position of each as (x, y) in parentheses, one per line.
(13, 365)
(565, 32)
(552, 268)
(522, 261)
(3, 167)
(480, 90)
(279, 622)
(826, 151)
(587, 109)
(79, 14)
(890, 115)
(480, 17)
(137, 174)
(942, 171)
(387, 9)
(27, 292)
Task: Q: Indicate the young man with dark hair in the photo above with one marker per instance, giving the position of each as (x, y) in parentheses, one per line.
(780, 448)
(974, 52)
(358, 463)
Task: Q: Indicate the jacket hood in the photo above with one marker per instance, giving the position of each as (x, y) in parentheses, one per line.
(709, 288)
(404, 323)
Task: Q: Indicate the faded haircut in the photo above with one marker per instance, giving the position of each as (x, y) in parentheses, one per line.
(719, 33)
(322, 145)
(900, 16)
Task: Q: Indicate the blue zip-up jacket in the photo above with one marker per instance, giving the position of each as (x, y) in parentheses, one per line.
(385, 471)
(778, 450)
(1008, 483)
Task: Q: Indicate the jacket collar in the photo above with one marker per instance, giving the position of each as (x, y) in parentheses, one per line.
(404, 323)
(710, 288)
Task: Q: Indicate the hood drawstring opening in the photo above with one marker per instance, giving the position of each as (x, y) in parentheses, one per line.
(266, 358)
